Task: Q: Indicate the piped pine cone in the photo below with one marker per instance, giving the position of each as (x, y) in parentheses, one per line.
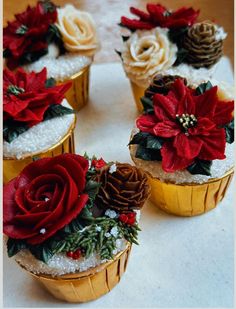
(162, 84)
(123, 190)
(203, 45)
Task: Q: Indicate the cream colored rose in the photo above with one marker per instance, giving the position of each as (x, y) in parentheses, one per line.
(147, 53)
(78, 30)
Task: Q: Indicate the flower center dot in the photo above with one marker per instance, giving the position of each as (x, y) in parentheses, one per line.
(186, 121)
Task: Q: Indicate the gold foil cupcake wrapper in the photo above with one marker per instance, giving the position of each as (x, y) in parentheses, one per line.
(88, 285)
(189, 199)
(13, 166)
(78, 94)
(138, 92)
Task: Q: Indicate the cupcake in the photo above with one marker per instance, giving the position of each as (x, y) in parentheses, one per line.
(81, 221)
(184, 141)
(168, 42)
(37, 119)
(64, 40)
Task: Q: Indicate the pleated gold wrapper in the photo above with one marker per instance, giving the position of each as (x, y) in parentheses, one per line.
(13, 166)
(88, 285)
(189, 199)
(138, 92)
(78, 94)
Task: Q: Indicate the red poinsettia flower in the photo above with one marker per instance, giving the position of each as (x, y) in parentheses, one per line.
(27, 33)
(26, 98)
(159, 16)
(46, 196)
(190, 124)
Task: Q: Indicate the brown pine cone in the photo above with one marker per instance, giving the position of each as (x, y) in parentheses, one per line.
(123, 190)
(161, 84)
(204, 50)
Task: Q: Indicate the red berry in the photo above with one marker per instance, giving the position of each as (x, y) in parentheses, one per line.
(132, 215)
(78, 252)
(131, 221)
(70, 254)
(123, 218)
(98, 163)
(75, 256)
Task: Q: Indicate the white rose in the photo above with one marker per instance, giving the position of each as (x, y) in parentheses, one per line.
(147, 53)
(78, 30)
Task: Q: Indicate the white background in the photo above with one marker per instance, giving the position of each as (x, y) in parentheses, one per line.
(181, 262)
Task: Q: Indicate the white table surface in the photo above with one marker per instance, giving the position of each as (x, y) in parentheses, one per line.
(181, 262)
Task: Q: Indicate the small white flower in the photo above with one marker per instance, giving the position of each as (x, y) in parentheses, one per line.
(107, 235)
(98, 228)
(111, 213)
(112, 168)
(114, 231)
(42, 231)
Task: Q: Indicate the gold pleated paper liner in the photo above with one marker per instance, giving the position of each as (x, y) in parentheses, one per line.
(12, 166)
(88, 285)
(189, 199)
(78, 94)
(138, 92)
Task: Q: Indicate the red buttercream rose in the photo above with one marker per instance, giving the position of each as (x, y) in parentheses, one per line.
(27, 34)
(159, 16)
(26, 97)
(191, 125)
(46, 196)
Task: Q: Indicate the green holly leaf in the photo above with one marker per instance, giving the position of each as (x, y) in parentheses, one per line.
(229, 132)
(12, 129)
(148, 154)
(14, 246)
(57, 110)
(203, 88)
(50, 82)
(154, 142)
(139, 138)
(92, 188)
(176, 35)
(202, 167)
(42, 252)
(147, 105)
(181, 55)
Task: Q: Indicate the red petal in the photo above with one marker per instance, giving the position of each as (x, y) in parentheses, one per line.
(166, 129)
(188, 147)
(165, 107)
(66, 219)
(143, 16)
(213, 145)
(145, 123)
(223, 112)
(206, 103)
(171, 162)
(135, 24)
(9, 204)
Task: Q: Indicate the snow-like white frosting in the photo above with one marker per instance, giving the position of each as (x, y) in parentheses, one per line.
(60, 264)
(59, 67)
(39, 137)
(191, 73)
